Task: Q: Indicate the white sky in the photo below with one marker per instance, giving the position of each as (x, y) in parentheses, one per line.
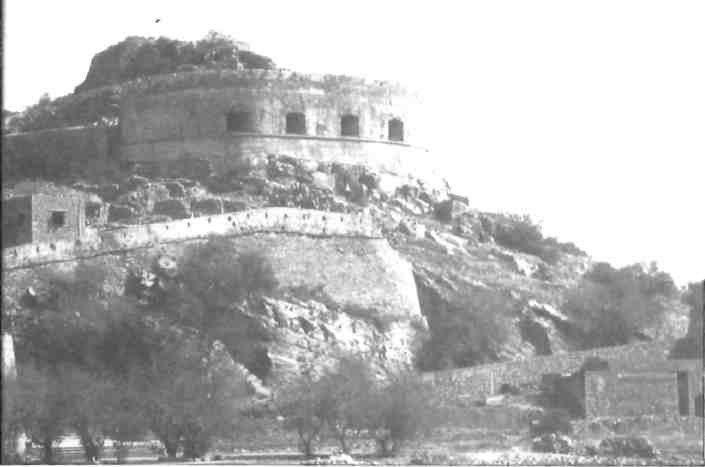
(590, 116)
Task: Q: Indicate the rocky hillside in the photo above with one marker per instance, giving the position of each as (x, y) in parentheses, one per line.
(490, 285)
(463, 272)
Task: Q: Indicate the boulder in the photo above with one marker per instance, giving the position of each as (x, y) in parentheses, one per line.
(121, 213)
(323, 181)
(443, 211)
(176, 189)
(135, 182)
(230, 205)
(413, 229)
(108, 192)
(174, 208)
(553, 442)
(629, 446)
(207, 206)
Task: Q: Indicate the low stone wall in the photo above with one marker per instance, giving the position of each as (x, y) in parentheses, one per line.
(474, 383)
(278, 220)
(612, 394)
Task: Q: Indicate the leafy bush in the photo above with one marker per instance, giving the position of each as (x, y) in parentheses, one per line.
(401, 411)
(609, 306)
(551, 421)
(471, 332)
(303, 410)
(691, 346)
(41, 408)
(99, 366)
(346, 399)
(522, 234)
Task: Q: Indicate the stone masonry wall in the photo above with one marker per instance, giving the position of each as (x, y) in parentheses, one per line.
(474, 383)
(56, 151)
(230, 149)
(342, 254)
(279, 220)
(617, 394)
(184, 115)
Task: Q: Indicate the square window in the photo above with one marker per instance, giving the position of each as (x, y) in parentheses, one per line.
(240, 121)
(349, 125)
(57, 219)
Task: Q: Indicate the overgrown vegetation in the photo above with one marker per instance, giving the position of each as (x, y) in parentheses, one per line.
(100, 365)
(469, 333)
(611, 306)
(348, 401)
(521, 233)
(691, 346)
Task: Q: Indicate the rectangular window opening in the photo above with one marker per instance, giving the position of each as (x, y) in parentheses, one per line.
(57, 220)
(240, 121)
(350, 125)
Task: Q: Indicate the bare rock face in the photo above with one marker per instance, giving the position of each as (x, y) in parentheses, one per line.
(136, 57)
(309, 332)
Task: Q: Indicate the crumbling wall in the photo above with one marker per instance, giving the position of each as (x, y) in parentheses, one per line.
(617, 394)
(229, 150)
(473, 383)
(56, 152)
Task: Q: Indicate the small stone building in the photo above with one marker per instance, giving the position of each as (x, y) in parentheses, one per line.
(41, 217)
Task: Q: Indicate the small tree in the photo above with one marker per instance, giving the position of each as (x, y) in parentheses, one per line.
(347, 400)
(401, 412)
(303, 410)
(187, 398)
(125, 422)
(41, 408)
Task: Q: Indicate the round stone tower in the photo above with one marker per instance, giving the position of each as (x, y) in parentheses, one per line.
(225, 116)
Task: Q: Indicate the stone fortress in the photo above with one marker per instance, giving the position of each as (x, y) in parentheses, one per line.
(226, 115)
(227, 118)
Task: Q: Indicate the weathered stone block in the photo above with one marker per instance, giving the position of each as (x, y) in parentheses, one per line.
(174, 208)
(120, 213)
(202, 207)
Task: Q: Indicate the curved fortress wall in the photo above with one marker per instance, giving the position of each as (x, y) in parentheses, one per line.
(342, 253)
(222, 116)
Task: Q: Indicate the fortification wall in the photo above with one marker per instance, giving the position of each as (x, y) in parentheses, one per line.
(56, 151)
(275, 220)
(477, 382)
(612, 394)
(230, 149)
(185, 109)
(342, 254)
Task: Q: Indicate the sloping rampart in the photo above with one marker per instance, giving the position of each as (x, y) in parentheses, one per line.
(274, 220)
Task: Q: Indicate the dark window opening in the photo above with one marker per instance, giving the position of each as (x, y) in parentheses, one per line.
(683, 397)
(396, 130)
(240, 121)
(349, 125)
(296, 123)
(57, 219)
(92, 210)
